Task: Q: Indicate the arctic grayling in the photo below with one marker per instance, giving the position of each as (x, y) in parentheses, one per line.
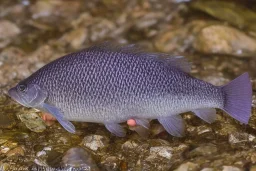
(110, 84)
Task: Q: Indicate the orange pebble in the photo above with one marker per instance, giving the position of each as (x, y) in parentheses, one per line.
(131, 122)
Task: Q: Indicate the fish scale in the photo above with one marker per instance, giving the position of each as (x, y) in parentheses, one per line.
(110, 84)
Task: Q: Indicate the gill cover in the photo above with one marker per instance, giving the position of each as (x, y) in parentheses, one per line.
(33, 95)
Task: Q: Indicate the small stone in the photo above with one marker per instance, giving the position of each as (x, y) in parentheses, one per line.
(44, 9)
(2, 141)
(180, 148)
(18, 151)
(231, 168)
(238, 137)
(130, 144)
(4, 166)
(204, 150)
(95, 142)
(79, 158)
(189, 166)
(253, 158)
(41, 157)
(111, 163)
(163, 151)
(75, 38)
(7, 146)
(207, 169)
(179, 39)
(225, 128)
(101, 30)
(203, 129)
(5, 149)
(148, 20)
(251, 137)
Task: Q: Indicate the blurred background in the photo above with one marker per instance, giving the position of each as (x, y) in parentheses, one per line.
(217, 36)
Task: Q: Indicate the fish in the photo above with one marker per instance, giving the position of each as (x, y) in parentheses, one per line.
(109, 84)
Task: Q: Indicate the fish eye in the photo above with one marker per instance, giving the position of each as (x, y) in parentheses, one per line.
(22, 88)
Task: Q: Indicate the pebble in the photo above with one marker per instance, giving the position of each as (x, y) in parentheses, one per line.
(78, 158)
(111, 163)
(163, 151)
(238, 137)
(8, 30)
(188, 166)
(75, 38)
(207, 169)
(129, 145)
(204, 150)
(231, 168)
(95, 142)
(33, 121)
(18, 151)
(179, 39)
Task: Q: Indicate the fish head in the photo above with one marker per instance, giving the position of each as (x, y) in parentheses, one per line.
(29, 95)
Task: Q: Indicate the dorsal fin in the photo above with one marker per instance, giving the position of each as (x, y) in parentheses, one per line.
(178, 62)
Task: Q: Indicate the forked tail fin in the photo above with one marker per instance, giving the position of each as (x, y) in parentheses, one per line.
(238, 98)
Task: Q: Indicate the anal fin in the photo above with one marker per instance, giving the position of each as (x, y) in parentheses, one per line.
(174, 125)
(207, 114)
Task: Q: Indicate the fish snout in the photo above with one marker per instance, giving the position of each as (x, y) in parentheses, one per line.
(15, 96)
(12, 93)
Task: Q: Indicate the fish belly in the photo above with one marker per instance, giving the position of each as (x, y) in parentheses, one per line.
(146, 108)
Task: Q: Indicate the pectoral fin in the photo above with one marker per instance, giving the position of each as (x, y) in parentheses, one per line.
(174, 125)
(207, 114)
(116, 129)
(59, 116)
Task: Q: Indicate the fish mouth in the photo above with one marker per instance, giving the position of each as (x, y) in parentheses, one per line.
(15, 96)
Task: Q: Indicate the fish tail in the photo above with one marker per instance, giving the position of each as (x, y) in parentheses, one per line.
(238, 98)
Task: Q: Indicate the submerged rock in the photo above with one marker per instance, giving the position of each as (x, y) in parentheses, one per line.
(238, 137)
(179, 39)
(33, 121)
(231, 12)
(75, 38)
(18, 151)
(44, 9)
(111, 163)
(189, 166)
(204, 150)
(231, 168)
(95, 142)
(163, 151)
(79, 159)
(8, 31)
(219, 39)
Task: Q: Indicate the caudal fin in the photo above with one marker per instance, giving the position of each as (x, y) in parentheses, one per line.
(238, 98)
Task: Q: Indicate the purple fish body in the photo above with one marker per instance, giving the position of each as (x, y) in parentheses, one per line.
(109, 85)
